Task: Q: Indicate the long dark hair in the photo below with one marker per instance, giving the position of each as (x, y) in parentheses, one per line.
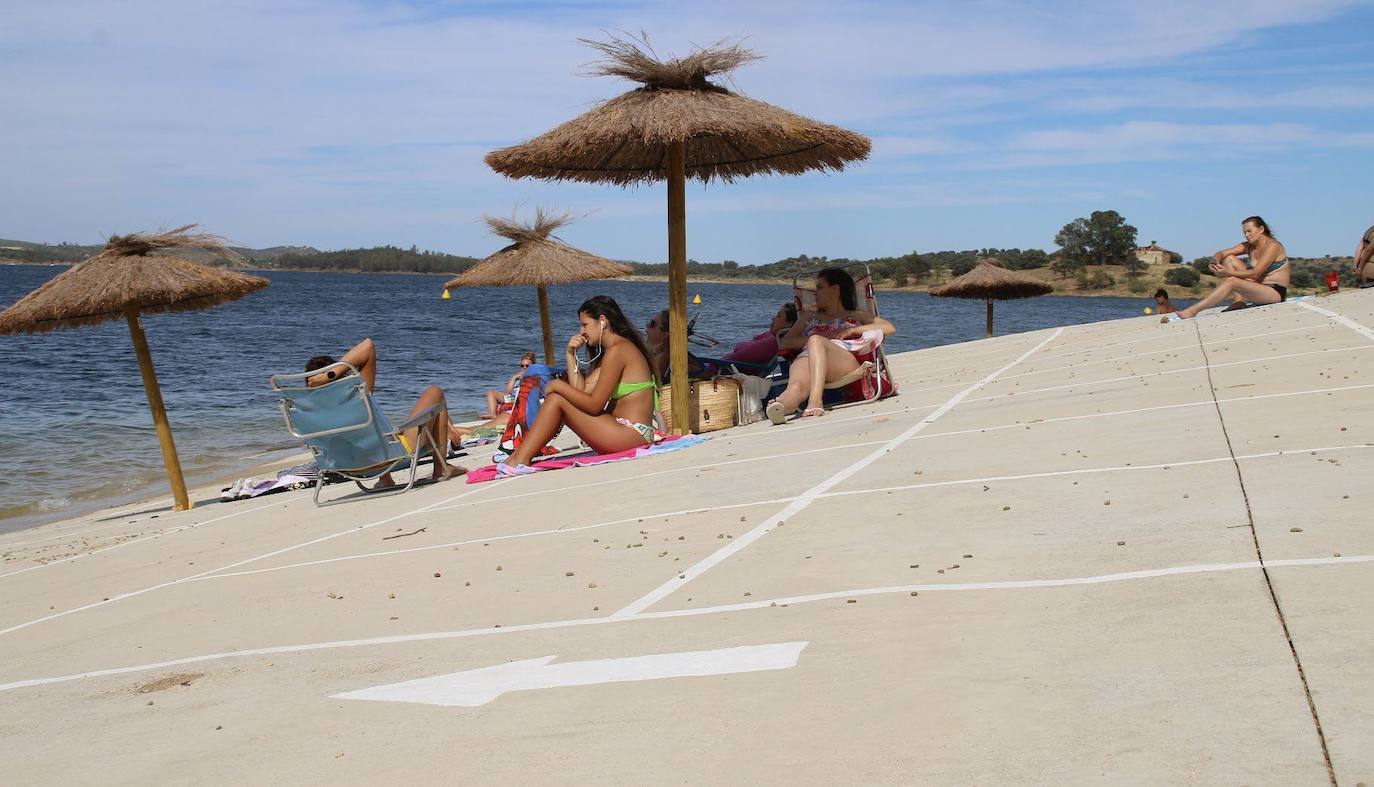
(838, 277)
(599, 306)
(1259, 222)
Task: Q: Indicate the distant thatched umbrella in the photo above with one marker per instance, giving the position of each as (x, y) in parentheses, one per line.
(536, 258)
(674, 126)
(122, 281)
(990, 281)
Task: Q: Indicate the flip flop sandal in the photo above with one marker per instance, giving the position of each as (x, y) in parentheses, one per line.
(812, 412)
(776, 414)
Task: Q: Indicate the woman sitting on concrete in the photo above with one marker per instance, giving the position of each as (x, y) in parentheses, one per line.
(1261, 279)
(618, 413)
(827, 336)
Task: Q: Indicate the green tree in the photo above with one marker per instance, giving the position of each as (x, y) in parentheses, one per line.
(1064, 267)
(1100, 239)
(1183, 276)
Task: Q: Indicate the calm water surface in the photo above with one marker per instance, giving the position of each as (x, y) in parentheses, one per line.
(76, 435)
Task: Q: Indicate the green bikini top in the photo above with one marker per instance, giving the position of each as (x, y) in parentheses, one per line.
(625, 389)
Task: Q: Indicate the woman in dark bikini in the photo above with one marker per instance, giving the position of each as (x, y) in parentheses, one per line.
(618, 412)
(1263, 280)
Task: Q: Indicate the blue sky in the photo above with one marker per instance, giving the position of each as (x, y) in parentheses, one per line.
(339, 124)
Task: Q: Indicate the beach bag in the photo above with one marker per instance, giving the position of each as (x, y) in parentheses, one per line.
(714, 404)
(529, 396)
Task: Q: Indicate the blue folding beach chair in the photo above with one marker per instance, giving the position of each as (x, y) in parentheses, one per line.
(349, 435)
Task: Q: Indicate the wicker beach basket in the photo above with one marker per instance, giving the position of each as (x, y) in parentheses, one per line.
(714, 404)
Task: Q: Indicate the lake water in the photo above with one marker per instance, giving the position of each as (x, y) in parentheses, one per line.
(76, 434)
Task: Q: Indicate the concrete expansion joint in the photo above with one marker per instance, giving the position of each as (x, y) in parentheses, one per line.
(1264, 569)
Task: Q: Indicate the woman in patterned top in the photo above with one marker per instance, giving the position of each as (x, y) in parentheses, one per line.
(827, 336)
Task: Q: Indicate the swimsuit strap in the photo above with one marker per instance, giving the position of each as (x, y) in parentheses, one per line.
(1275, 265)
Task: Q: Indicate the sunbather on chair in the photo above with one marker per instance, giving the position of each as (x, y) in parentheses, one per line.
(363, 357)
(827, 337)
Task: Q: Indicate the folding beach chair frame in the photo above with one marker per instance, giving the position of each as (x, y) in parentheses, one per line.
(283, 384)
(878, 367)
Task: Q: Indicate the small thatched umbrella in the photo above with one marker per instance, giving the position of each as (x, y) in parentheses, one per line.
(536, 257)
(990, 281)
(674, 126)
(123, 281)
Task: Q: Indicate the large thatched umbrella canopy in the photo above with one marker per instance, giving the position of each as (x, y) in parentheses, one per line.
(678, 124)
(990, 281)
(535, 257)
(124, 280)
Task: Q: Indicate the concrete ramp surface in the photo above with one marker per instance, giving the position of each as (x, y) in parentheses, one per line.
(1124, 552)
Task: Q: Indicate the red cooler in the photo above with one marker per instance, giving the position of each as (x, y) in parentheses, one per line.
(1333, 281)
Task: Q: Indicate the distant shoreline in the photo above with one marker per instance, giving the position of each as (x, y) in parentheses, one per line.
(1109, 292)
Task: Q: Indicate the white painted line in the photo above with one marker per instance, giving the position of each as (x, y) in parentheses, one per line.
(796, 506)
(171, 583)
(1129, 377)
(641, 476)
(1022, 584)
(477, 687)
(1246, 362)
(1233, 322)
(1094, 470)
(1340, 318)
(509, 537)
(773, 501)
(281, 500)
(678, 613)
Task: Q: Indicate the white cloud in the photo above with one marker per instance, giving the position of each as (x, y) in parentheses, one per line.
(333, 123)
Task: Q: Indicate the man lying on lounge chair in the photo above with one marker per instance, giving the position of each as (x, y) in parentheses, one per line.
(363, 357)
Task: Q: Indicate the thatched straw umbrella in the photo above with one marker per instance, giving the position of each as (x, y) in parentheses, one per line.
(124, 281)
(536, 258)
(990, 281)
(676, 125)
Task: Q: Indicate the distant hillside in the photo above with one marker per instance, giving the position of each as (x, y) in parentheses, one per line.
(27, 251)
(381, 259)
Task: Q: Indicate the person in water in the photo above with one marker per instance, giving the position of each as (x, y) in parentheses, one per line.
(618, 412)
(1261, 279)
(363, 357)
(1162, 303)
(823, 335)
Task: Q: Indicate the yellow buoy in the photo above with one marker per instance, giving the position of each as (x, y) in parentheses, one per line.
(696, 299)
(445, 296)
(1148, 310)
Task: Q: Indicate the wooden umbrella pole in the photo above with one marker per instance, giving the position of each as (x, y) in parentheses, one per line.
(164, 429)
(989, 318)
(677, 285)
(545, 324)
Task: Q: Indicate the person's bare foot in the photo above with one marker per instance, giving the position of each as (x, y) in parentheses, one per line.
(812, 412)
(449, 471)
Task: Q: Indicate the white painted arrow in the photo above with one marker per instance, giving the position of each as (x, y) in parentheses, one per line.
(480, 686)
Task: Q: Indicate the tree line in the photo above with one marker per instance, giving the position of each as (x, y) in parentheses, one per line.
(379, 259)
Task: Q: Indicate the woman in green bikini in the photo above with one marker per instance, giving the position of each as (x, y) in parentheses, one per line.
(617, 414)
(1263, 279)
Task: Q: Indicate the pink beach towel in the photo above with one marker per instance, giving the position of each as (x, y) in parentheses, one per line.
(667, 444)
